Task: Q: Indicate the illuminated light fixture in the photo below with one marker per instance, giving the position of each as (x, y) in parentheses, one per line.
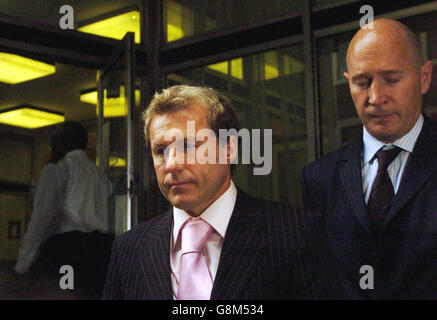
(236, 68)
(16, 69)
(116, 27)
(112, 107)
(30, 117)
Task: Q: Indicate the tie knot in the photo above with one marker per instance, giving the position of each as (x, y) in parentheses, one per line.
(386, 156)
(195, 233)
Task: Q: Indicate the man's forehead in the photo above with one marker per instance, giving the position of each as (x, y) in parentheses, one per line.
(359, 75)
(387, 38)
(186, 121)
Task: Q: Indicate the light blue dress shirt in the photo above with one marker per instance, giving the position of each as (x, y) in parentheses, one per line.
(369, 164)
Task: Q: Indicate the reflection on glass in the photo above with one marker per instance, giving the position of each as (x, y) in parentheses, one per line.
(179, 21)
(196, 17)
(233, 67)
(267, 92)
(338, 116)
(113, 107)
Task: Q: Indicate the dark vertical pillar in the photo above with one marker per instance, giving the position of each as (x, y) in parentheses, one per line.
(312, 114)
(150, 200)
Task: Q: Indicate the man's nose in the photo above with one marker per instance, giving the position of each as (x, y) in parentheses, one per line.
(377, 93)
(174, 159)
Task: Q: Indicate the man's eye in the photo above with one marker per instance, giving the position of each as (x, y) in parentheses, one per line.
(363, 84)
(391, 80)
(159, 151)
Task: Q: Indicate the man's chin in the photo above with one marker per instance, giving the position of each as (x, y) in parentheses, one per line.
(181, 202)
(386, 138)
(384, 132)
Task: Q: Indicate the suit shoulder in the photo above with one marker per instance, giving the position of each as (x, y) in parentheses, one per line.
(330, 160)
(140, 231)
(271, 210)
(260, 203)
(325, 167)
(318, 178)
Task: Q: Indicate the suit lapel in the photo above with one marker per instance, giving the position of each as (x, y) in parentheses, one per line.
(242, 247)
(421, 164)
(155, 259)
(351, 178)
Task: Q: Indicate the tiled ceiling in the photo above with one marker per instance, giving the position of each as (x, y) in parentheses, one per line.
(59, 92)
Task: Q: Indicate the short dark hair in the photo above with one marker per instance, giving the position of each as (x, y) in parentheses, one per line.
(68, 136)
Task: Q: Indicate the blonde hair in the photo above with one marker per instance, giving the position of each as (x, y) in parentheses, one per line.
(220, 115)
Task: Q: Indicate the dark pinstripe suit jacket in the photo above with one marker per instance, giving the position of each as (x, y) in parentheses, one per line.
(404, 258)
(269, 252)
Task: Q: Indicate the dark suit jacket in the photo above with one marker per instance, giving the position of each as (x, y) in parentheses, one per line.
(268, 253)
(405, 258)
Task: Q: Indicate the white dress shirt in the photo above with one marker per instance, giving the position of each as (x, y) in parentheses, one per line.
(71, 195)
(396, 168)
(217, 215)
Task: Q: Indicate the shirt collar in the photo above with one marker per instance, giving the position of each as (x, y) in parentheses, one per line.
(406, 143)
(217, 214)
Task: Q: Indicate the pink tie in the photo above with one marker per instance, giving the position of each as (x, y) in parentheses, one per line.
(195, 282)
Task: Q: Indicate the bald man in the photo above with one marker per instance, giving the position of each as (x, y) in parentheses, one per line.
(378, 195)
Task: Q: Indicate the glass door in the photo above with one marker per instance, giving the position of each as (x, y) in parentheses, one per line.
(117, 100)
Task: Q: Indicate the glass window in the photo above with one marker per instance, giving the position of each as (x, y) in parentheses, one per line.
(267, 92)
(428, 38)
(330, 3)
(338, 116)
(196, 17)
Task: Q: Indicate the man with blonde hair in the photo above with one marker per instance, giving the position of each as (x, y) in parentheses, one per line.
(216, 242)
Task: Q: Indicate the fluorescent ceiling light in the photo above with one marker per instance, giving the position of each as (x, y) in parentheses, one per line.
(29, 117)
(112, 107)
(116, 27)
(16, 69)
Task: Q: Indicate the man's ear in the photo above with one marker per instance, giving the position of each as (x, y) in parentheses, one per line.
(346, 75)
(232, 149)
(426, 76)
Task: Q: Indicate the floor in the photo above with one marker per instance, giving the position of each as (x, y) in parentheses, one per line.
(14, 286)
